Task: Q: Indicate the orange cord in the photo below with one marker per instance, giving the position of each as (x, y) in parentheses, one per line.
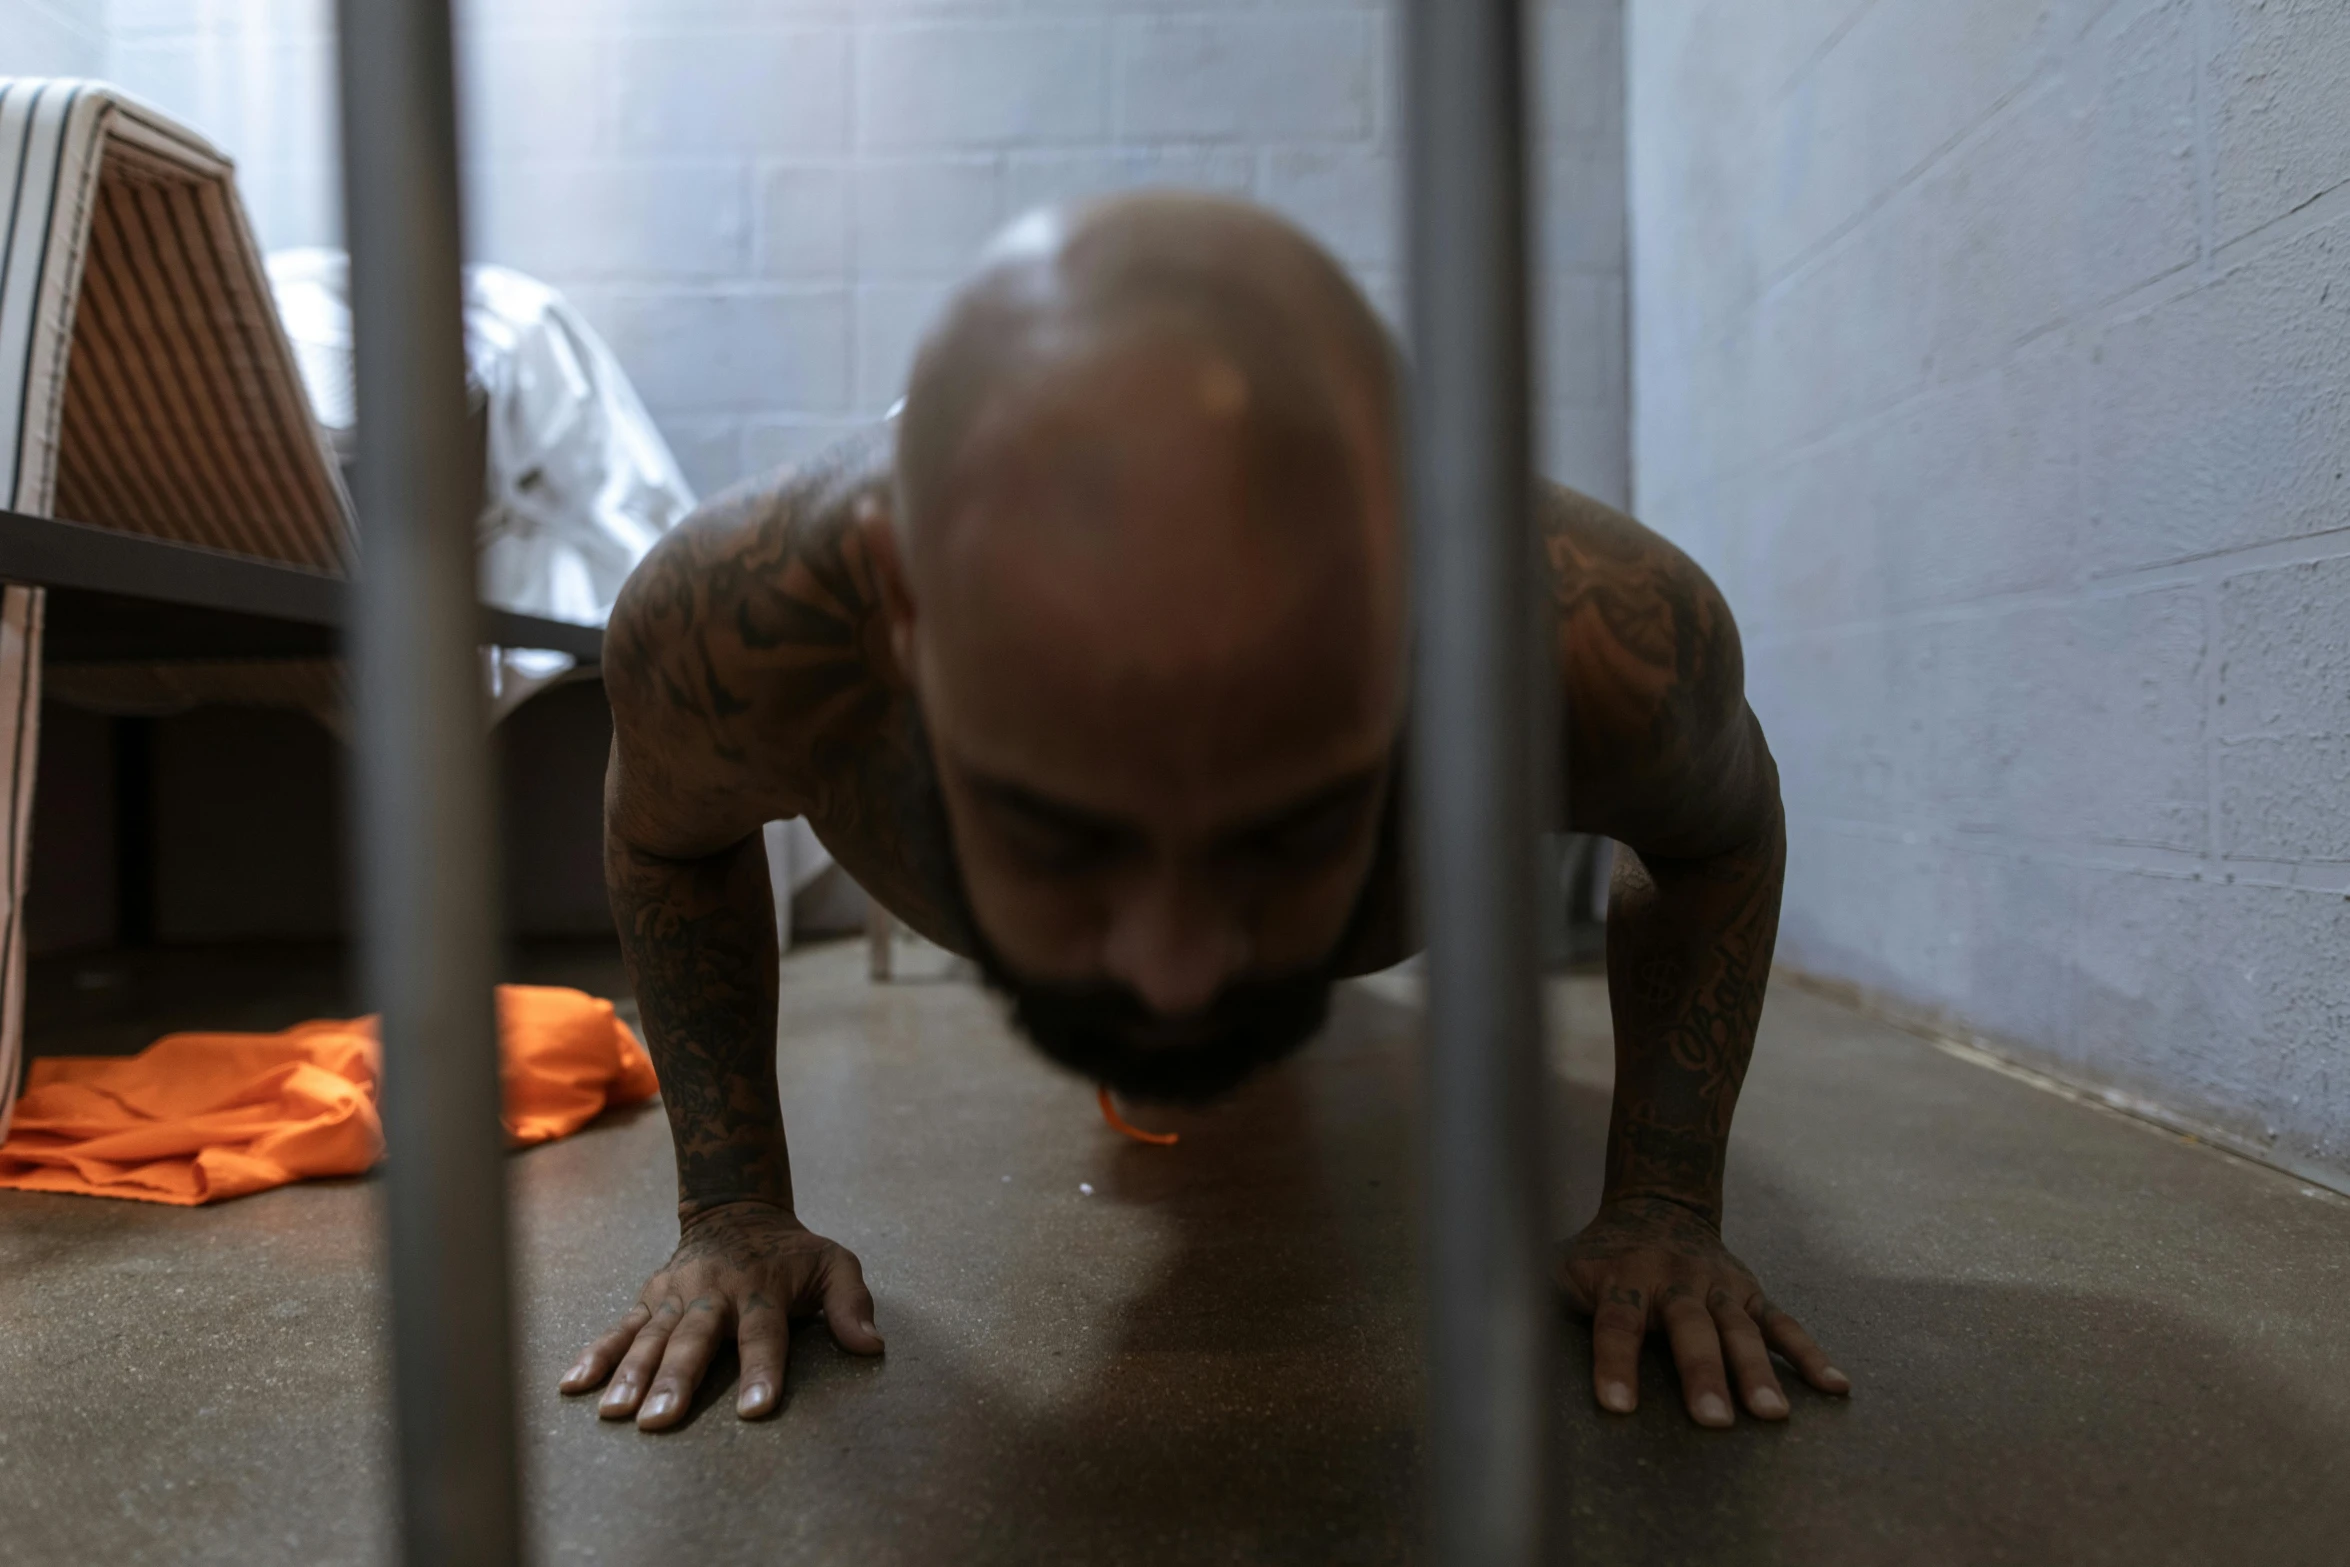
(1120, 1124)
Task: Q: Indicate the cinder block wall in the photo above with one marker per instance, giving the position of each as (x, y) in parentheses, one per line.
(52, 37)
(761, 202)
(1996, 358)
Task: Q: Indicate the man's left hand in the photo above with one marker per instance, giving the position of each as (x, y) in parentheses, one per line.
(1650, 1262)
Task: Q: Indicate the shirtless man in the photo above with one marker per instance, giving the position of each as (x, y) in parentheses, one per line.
(1093, 670)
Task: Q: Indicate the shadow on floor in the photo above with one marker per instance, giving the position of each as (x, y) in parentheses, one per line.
(1991, 1424)
(1261, 1399)
(2073, 1342)
(1261, 1402)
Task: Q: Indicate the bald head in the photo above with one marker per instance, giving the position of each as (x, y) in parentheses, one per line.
(1297, 352)
(1153, 596)
(1154, 435)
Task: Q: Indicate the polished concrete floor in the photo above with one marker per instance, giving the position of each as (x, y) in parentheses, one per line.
(2075, 1340)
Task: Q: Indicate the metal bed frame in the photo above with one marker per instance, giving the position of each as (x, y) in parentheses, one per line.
(121, 597)
(425, 826)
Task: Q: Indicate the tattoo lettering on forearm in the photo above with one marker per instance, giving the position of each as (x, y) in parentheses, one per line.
(1683, 1045)
(1663, 755)
(699, 939)
(1661, 983)
(751, 678)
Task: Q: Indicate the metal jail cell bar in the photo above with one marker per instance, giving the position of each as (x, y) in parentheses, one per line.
(1476, 760)
(422, 780)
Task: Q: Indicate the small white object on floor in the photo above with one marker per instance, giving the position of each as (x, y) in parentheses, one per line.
(1086, 1187)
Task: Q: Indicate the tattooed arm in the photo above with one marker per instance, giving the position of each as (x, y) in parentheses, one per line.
(754, 618)
(1667, 759)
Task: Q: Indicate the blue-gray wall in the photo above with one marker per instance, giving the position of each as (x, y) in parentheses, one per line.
(1996, 358)
(52, 37)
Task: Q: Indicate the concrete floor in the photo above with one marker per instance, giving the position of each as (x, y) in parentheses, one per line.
(2074, 1339)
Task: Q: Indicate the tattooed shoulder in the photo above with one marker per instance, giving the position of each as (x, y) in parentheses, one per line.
(752, 678)
(749, 642)
(1661, 748)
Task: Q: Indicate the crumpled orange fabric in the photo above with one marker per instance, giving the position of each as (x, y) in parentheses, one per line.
(195, 1118)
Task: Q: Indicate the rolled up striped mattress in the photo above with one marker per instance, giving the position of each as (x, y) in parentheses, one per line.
(145, 384)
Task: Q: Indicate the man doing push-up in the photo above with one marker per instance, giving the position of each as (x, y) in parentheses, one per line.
(1092, 667)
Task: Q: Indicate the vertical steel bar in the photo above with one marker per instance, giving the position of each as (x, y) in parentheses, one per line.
(1476, 762)
(421, 776)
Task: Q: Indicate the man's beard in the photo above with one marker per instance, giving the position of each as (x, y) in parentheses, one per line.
(1105, 1031)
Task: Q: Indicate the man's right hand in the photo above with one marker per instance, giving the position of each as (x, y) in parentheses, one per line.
(745, 1268)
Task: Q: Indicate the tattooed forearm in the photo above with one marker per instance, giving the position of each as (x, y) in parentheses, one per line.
(750, 673)
(699, 938)
(1663, 754)
(1689, 955)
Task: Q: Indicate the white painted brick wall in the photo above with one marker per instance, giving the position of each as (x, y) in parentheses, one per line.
(1996, 358)
(52, 37)
(762, 201)
(1577, 177)
(1295, 73)
(803, 220)
(2278, 73)
(923, 219)
(615, 219)
(708, 352)
(982, 84)
(2217, 416)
